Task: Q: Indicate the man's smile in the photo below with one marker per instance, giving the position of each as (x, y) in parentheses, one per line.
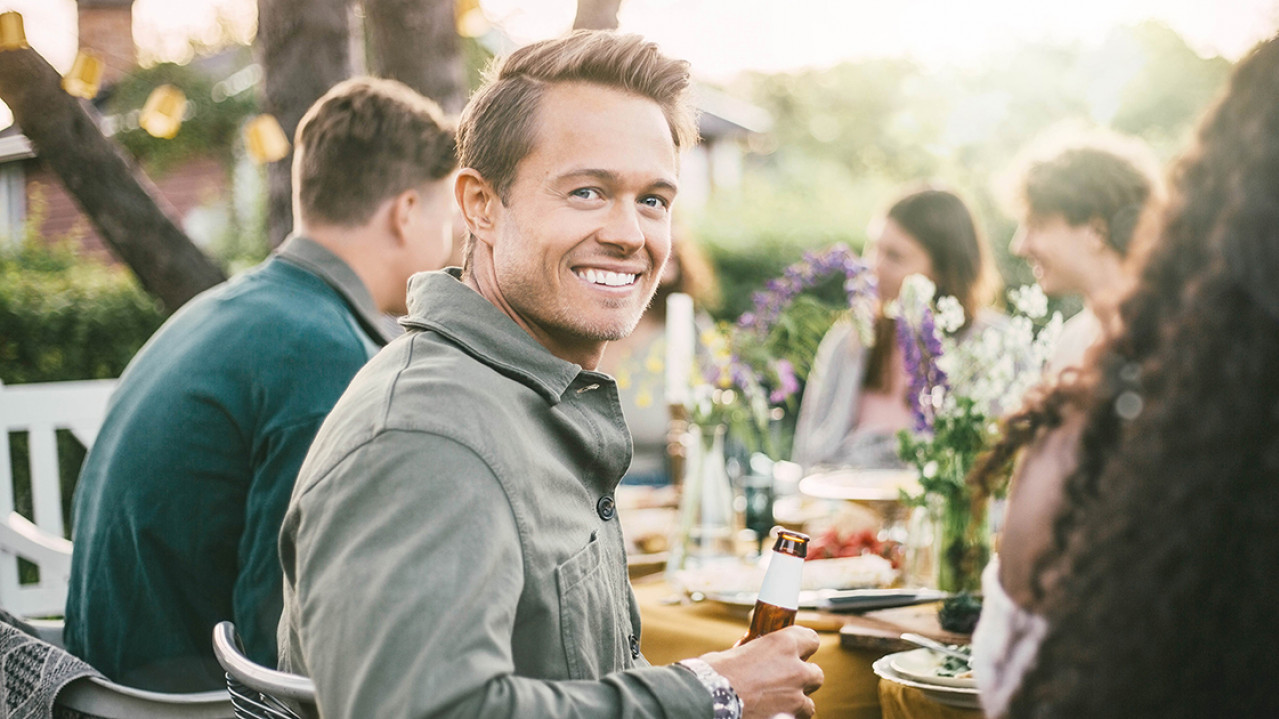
(606, 278)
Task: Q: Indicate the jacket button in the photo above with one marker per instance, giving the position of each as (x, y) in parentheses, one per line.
(634, 647)
(606, 508)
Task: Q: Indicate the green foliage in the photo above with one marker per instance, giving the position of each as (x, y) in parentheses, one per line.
(846, 140)
(751, 235)
(959, 613)
(65, 317)
(211, 127)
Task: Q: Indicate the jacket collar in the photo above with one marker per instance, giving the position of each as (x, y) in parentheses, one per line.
(317, 259)
(441, 302)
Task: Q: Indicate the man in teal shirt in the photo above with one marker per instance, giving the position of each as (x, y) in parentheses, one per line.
(178, 509)
(452, 547)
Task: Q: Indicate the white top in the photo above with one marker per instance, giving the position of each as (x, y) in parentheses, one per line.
(1005, 643)
(1078, 334)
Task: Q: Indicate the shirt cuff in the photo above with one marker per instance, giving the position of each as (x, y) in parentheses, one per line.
(723, 697)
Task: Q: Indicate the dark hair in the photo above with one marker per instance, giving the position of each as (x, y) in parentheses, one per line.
(365, 141)
(1095, 178)
(1166, 542)
(941, 223)
(499, 124)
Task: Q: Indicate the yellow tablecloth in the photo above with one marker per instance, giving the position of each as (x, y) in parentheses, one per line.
(673, 632)
(901, 702)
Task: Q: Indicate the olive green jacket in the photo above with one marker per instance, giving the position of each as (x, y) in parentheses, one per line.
(452, 549)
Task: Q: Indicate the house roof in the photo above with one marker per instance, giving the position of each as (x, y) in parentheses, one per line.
(14, 145)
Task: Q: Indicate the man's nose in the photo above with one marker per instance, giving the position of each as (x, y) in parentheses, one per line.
(1017, 245)
(623, 227)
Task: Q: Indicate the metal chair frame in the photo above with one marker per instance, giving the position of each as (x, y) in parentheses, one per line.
(256, 691)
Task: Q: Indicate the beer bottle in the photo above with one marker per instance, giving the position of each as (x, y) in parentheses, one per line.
(779, 595)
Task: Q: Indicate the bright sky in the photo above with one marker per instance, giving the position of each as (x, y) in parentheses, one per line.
(723, 37)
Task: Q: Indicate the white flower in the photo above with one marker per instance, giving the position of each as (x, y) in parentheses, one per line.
(1029, 300)
(916, 293)
(950, 314)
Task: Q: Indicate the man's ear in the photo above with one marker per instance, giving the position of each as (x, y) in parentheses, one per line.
(403, 214)
(478, 204)
(1098, 235)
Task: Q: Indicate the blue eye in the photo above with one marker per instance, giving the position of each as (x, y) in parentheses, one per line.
(655, 201)
(586, 193)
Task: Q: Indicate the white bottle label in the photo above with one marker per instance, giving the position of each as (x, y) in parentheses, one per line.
(782, 581)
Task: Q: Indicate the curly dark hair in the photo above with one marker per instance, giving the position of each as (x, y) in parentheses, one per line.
(1167, 542)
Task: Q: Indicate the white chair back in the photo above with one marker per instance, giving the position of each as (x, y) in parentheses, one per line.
(41, 410)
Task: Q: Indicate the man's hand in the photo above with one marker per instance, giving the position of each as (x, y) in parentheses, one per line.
(771, 674)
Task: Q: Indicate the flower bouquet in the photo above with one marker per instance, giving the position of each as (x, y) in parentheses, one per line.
(961, 383)
(746, 384)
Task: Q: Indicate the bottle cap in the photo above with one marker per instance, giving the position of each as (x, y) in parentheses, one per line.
(791, 542)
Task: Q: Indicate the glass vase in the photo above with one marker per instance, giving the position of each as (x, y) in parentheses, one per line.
(707, 522)
(961, 541)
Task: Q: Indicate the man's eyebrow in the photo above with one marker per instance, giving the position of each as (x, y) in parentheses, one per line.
(610, 177)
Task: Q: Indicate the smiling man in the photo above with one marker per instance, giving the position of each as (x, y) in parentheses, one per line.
(452, 547)
(1082, 199)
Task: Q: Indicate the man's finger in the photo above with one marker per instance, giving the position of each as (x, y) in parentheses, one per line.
(816, 677)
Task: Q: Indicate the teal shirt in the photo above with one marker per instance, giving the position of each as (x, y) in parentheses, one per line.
(178, 509)
(452, 548)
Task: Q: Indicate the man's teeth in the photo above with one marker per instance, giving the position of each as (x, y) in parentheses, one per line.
(610, 279)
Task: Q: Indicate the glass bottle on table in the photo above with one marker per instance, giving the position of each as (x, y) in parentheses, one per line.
(779, 595)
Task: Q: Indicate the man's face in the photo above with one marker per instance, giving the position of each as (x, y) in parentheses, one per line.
(581, 241)
(1061, 255)
(894, 256)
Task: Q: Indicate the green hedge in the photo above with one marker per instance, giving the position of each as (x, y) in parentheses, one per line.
(67, 319)
(64, 318)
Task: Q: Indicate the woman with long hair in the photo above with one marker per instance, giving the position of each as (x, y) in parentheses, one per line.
(1142, 540)
(855, 399)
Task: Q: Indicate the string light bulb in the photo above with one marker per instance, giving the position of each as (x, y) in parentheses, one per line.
(162, 114)
(85, 77)
(12, 34)
(265, 139)
(470, 18)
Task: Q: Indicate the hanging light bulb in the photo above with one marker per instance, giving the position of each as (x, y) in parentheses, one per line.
(162, 115)
(85, 76)
(12, 35)
(470, 18)
(265, 139)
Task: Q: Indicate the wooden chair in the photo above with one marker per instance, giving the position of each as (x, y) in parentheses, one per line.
(40, 410)
(258, 692)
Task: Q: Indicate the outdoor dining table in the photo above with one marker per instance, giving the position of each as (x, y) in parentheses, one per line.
(674, 631)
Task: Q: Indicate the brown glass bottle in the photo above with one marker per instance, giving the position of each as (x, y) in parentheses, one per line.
(779, 594)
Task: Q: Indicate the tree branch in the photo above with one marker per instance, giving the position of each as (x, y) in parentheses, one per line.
(129, 214)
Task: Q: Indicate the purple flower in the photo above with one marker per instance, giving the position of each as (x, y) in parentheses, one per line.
(921, 348)
(778, 293)
(787, 382)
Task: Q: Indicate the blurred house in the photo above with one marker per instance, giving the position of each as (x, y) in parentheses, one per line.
(198, 188)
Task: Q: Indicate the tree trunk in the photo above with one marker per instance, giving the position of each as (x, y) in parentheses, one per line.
(596, 14)
(123, 205)
(304, 48)
(416, 42)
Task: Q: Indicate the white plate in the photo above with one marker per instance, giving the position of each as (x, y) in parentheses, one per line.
(964, 698)
(860, 485)
(835, 600)
(921, 665)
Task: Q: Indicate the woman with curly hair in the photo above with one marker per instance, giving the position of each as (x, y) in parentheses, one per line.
(1139, 559)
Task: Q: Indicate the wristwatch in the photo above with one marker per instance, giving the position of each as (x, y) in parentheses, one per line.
(723, 697)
